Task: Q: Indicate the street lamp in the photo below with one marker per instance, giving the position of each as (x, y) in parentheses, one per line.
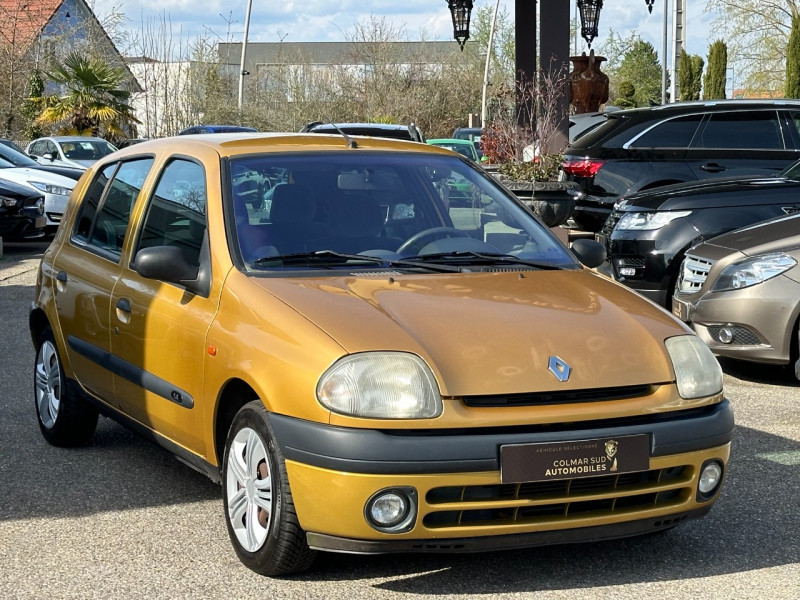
(461, 11)
(590, 16)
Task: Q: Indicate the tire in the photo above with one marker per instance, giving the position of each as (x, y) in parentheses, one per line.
(259, 510)
(64, 420)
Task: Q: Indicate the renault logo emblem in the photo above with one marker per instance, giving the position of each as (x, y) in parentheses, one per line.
(559, 368)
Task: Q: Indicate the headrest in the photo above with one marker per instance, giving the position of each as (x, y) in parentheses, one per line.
(357, 216)
(292, 203)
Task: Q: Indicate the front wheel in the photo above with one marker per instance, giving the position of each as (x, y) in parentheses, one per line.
(259, 510)
(64, 419)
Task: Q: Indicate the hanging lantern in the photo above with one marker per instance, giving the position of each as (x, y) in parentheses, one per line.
(590, 17)
(460, 10)
(650, 5)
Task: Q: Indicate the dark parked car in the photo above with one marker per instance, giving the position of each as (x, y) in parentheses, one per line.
(21, 212)
(408, 132)
(649, 233)
(741, 292)
(196, 129)
(643, 148)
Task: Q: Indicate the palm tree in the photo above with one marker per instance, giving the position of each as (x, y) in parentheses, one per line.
(92, 102)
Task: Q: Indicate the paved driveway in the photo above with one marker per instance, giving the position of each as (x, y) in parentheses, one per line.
(124, 519)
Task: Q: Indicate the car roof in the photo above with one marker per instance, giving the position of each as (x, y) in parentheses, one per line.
(243, 143)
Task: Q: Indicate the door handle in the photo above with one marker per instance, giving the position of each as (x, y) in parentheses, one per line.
(713, 168)
(124, 305)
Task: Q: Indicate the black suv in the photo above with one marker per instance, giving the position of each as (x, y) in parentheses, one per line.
(643, 148)
(648, 233)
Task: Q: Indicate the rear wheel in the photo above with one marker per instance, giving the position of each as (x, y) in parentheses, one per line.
(259, 510)
(64, 420)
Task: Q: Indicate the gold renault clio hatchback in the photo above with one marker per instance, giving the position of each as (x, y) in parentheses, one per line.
(365, 366)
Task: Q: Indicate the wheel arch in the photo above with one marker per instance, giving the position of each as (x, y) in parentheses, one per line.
(233, 396)
(37, 323)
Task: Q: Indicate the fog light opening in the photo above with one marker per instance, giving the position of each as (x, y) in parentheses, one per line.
(710, 479)
(392, 510)
(726, 335)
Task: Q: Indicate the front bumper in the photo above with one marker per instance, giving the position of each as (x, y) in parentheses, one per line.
(762, 319)
(462, 504)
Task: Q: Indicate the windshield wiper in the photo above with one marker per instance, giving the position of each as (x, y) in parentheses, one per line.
(472, 257)
(331, 257)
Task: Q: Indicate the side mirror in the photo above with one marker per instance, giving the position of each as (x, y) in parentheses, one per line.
(168, 263)
(591, 253)
(49, 156)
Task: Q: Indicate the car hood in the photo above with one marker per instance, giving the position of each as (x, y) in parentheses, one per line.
(26, 175)
(781, 234)
(715, 193)
(494, 333)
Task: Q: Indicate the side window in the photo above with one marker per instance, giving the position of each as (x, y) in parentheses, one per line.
(742, 130)
(107, 205)
(674, 133)
(51, 148)
(176, 215)
(794, 123)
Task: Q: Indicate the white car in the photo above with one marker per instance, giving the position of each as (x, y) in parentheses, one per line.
(69, 151)
(55, 189)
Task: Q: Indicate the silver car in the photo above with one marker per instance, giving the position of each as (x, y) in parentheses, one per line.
(740, 292)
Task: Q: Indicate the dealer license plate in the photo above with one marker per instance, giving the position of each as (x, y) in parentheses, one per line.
(520, 463)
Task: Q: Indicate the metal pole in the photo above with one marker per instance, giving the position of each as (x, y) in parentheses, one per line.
(664, 57)
(486, 68)
(244, 53)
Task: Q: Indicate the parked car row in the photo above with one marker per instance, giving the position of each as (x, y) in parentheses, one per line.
(717, 250)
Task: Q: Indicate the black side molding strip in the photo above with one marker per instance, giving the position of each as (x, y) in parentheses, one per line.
(131, 372)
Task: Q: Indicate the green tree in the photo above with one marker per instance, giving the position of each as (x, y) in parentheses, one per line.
(626, 93)
(690, 76)
(93, 101)
(30, 108)
(640, 64)
(757, 32)
(792, 89)
(716, 73)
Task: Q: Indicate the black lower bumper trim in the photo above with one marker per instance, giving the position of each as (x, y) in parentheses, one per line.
(387, 452)
(319, 541)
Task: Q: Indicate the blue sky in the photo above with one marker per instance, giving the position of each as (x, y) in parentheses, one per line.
(318, 20)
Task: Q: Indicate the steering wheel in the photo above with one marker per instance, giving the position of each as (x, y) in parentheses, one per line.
(420, 239)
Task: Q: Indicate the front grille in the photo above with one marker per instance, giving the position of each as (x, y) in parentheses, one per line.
(558, 501)
(694, 272)
(563, 397)
(741, 335)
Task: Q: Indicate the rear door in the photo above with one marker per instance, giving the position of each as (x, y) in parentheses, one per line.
(87, 268)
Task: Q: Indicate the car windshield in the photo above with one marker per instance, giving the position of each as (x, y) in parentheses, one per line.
(408, 210)
(11, 158)
(86, 149)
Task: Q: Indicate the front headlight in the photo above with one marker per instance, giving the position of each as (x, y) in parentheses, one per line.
(646, 221)
(697, 372)
(49, 188)
(381, 385)
(751, 271)
(6, 201)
